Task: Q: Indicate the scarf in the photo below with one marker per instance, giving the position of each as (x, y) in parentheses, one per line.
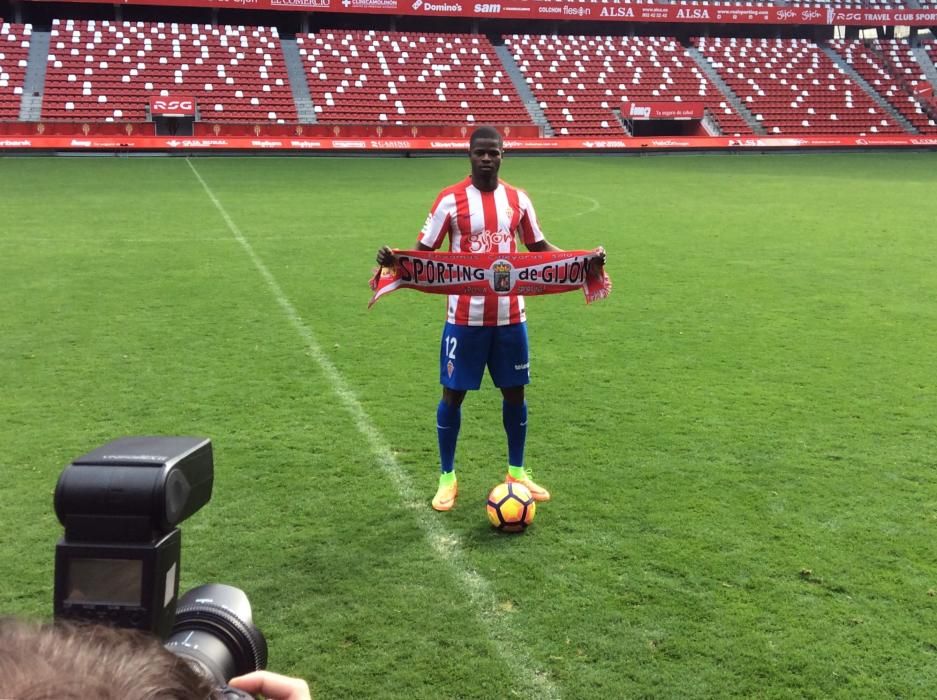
(493, 274)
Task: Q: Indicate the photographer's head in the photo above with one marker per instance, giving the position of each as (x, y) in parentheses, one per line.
(77, 661)
(65, 661)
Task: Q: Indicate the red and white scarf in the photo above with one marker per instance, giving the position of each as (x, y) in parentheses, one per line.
(493, 274)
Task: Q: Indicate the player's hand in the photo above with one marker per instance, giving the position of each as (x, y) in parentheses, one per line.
(272, 686)
(386, 257)
(598, 260)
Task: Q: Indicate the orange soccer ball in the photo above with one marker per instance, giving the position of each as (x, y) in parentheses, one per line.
(510, 507)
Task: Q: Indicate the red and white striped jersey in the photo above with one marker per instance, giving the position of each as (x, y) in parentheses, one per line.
(482, 222)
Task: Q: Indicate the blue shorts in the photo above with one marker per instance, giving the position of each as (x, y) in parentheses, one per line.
(465, 351)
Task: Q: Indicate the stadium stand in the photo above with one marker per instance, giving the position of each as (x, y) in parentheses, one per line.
(581, 82)
(107, 71)
(401, 78)
(793, 87)
(576, 85)
(14, 51)
(890, 68)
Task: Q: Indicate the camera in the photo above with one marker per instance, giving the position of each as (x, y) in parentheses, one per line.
(118, 561)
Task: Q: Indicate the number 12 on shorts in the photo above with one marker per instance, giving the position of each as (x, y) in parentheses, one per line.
(450, 343)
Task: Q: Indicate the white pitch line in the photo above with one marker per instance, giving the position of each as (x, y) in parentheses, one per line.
(507, 641)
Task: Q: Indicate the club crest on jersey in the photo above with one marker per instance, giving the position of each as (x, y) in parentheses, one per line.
(501, 276)
(508, 213)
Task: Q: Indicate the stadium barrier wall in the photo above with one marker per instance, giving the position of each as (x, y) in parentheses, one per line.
(260, 130)
(429, 145)
(582, 10)
(368, 131)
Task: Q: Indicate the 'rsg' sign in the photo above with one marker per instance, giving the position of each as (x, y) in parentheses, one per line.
(172, 106)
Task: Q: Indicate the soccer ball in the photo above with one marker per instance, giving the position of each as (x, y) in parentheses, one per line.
(510, 507)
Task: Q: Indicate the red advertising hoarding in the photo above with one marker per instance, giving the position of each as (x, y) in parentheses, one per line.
(607, 10)
(663, 110)
(624, 144)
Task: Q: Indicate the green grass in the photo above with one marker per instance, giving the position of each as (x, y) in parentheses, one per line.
(740, 440)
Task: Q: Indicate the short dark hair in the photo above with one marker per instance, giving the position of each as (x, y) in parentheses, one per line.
(65, 661)
(485, 132)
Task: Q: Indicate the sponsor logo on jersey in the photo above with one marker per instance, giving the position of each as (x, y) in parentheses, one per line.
(488, 241)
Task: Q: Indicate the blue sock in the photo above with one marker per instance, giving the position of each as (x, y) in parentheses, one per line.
(448, 422)
(515, 425)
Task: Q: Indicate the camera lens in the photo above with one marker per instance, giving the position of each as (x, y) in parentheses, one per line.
(213, 630)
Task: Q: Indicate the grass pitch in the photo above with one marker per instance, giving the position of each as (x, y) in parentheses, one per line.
(740, 440)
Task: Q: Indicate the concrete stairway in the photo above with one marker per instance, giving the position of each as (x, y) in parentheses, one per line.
(305, 111)
(35, 79)
(523, 89)
(621, 121)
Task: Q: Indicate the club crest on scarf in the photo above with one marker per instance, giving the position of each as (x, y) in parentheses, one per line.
(501, 276)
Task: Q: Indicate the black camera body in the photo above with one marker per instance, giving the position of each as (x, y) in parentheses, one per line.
(118, 562)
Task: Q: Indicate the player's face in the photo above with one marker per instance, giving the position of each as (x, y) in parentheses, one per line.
(485, 155)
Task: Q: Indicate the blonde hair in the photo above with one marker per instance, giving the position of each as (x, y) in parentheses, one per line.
(66, 661)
